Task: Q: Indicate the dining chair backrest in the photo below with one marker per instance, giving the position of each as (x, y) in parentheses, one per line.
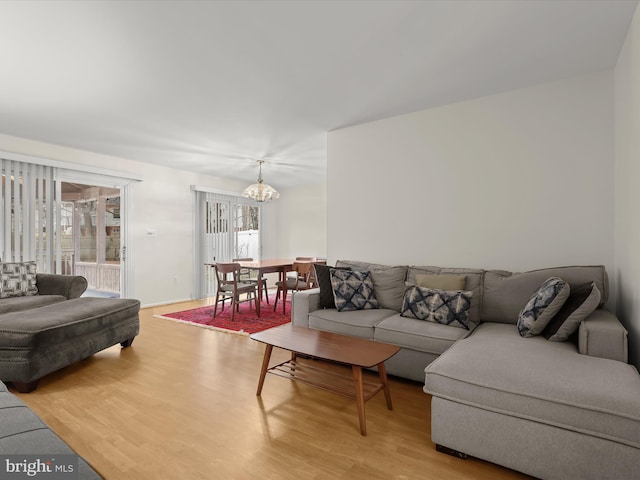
(304, 270)
(306, 259)
(245, 273)
(224, 269)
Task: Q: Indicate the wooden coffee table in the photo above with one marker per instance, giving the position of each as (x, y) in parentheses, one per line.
(355, 352)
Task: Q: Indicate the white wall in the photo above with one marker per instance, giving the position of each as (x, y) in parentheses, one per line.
(627, 182)
(303, 222)
(517, 181)
(163, 265)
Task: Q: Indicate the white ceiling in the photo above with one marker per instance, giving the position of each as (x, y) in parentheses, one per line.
(212, 86)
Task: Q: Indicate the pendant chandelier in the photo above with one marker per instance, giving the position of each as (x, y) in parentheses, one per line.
(261, 192)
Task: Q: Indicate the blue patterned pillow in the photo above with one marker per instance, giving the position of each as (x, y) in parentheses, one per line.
(542, 306)
(353, 290)
(440, 306)
(18, 279)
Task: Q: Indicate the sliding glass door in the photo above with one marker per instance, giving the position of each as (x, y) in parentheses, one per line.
(91, 238)
(67, 221)
(227, 227)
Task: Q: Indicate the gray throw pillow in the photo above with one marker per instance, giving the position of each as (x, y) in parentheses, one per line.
(542, 306)
(353, 290)
(440, 306)
(582, 301)
(388, 285)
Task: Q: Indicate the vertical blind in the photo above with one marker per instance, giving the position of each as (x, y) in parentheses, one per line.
(219, 219)
(28, 214)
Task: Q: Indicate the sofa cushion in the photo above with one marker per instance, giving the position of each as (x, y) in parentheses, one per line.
(417, 334)
(16, 304)
(353, 290)
(442, 281)
(433, 305)
(18, 279)
(357, 323)
(542, 306)
(582, 302)
(473, 283)
(323, 277)
(54, 324)
(496, 369)
(388, 285)
(506, 292)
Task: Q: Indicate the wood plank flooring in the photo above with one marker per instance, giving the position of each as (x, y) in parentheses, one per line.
(181, 404)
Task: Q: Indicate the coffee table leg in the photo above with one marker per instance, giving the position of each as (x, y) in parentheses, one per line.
(357, 379)
(265, 367)
(382, 371)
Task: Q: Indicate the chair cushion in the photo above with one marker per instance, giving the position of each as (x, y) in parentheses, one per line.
(293, 284)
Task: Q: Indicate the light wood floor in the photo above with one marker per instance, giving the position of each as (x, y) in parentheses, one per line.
(181, 404)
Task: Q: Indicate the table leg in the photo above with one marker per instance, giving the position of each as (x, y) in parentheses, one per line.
(382, 371)
(265, 367)
(284, 290)
(259, 294)
(357, 379)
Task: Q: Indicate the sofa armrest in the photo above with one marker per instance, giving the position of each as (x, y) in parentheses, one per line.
(602, 335)
(70, 286)
(303, 303)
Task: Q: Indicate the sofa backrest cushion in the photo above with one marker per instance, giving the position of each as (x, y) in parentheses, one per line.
(473, 283)
(388, 281)
(506, 293)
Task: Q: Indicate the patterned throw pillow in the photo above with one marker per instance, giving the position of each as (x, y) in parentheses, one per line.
(323, 276)
(440, 306)
(353, 290)
(542, 306)
(18, 279)
(582, 301)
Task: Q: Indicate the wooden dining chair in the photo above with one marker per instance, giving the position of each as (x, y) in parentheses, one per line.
(299, 282)
(301, 259)
(251, 276)
(230, 287)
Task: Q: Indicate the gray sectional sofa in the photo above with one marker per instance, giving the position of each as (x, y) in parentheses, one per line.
(23, 433)
(556, 410)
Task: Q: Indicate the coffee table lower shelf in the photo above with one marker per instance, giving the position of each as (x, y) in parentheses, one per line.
(319, 376)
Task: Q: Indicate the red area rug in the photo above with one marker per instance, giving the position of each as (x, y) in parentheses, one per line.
(245, 322)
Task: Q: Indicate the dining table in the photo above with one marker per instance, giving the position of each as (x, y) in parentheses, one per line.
(276, 265)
